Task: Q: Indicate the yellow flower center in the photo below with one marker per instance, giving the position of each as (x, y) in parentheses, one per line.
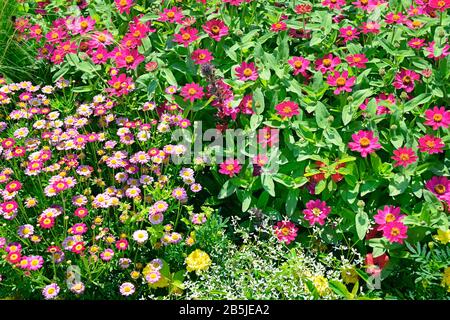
(364, 142)
(440, 189)
(248, 72)
(437, 117)
(340, 81)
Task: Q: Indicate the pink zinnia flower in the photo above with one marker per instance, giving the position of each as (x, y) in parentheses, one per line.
(268, 136)
(416, 43)
(120, 84)
(371, 27)
(230, 167)
(35, 262)
(341, 81)
(333, 4)
(287, 109)
(285, 231)
(441, 5)
(397, 18)
(201, 56)
(186, 36)
(129, 59)
(404, 157)
(299, 64)
(437, 117)
(279, 26)
(440, 186)
(316, 212)
(358, 60)
(431, 144)
(327, 63)
(191, 92)
(124, 5)
(173, 15)
(246, 71)
(395, 232)
(388, 215)
(405, 80)
(216, 29)
(366, 5)
(348, 33)
(364, 142)
(431, 48)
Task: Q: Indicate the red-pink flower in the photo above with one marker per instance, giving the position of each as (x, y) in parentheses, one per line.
(395, 232)
(441, 5)
(287, 109)
(397, 18)
(246, 71)
(285, 231)
(216, 29)
(327, 63)
(120, 85)
(431, 144)
(299, 64)
(388, 215)
(375, 265)
(230, 167)
(201, 56)
(437, 117)
(416, 43)
(366, 5)
(192, 91)
(129, 59)
(279, 26)
(333, 4)
(173, 15)
(371, 27)
(404, 157)
(431, 49)
(364, 142)
(357, 60)
(316, 212)
(348, 33)
(341, 81)
(405, 79)
(124, 5)
(186, 36)
(268, 136)
(440, 186)
(100, 55)
(83, 25)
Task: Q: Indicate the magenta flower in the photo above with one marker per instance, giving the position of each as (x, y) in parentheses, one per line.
(278, 26)
(404, 157)
(173, 15)
(230, 167)
(327, 63)
(186, 36)
(316, 212)
(431, 144)
(299, 64)
(437, 117)
(405, 80)
(364, 142)
(285, 231)
(191, 92)
(201, 56)
(287, 109)
(124, 5)
(416, 43)
(358, 60)
(120, 84)
(246, 71)
(341, 81)
(333, 4)
(431, 49)
(397, 18)
(388, 215)
(440, 5)
(371, 27)
(440, 186)
(395, 232)
(129, 59)
(216, 29)
(348, 33)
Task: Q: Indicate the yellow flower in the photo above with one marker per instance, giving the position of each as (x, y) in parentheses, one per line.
(443, 236)
(197, 261)
(446, 278)
(321, 284)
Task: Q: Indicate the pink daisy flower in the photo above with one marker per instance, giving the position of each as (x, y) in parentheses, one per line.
(358, 60)
(191, 92)
(405, 79)
(246, 71)
(440, 186)
(316, 212)
(201, 56)
(416, 43)
(388, 215)
(431, 49)
(395, 232)
(431, 144)
(279, 26)
(437, 117)
(370, 27)
(341, 81)
(299, 64)
(186, 36)
(124, 5)
(327, 63)
(404, 157)
(397, 18)
(285, 231)
(348, 33)
(287, 109)
(216, 29)
(333, 4)
(230, 167)
(173, 15)
(440, 5)
(364, 142)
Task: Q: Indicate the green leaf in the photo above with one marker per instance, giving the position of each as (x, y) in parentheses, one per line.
(258, 101)
(347, 114)
(227, 190)
(362, 224)
(291, 201)
(267, 183)
(320, 186)
(340, 289)
(322, 115)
